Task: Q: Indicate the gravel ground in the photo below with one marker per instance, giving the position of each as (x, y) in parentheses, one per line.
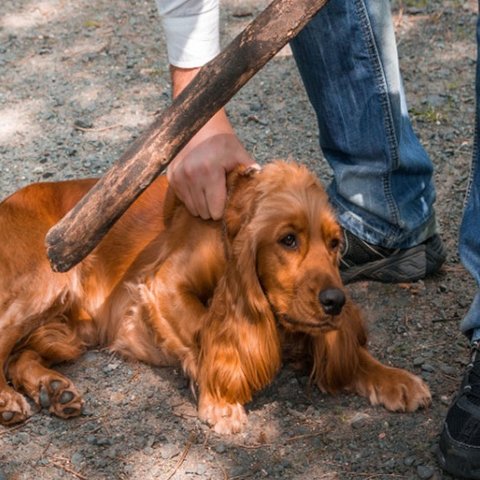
(79, 81)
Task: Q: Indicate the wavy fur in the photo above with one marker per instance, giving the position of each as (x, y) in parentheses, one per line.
(224, 300)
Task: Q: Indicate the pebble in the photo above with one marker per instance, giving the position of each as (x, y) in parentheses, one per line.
(82, 124)
(169, 451)
(445, 399)
(418, 362)
(112, 453)
(425, 472)
(103, 441)
(77, 459)
(242, 11)
(448, 370)
(110, 367)
(359, 420)
(427, 367)
(197, 469)
(149, 441)
(148, 451)
(409, 461)
(220, 448)
(390, 464)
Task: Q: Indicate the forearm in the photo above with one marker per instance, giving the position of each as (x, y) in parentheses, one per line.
(219, 123)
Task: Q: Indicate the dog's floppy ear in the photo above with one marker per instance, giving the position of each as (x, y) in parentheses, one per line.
(241, 188)
(241, 236)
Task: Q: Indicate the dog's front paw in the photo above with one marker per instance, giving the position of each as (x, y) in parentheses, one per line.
(13, 407)
(225, 418)
(60, 396)
(399, 391)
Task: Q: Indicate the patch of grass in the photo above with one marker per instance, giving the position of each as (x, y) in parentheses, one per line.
(429, 114)
(92, 24)
(413, 3)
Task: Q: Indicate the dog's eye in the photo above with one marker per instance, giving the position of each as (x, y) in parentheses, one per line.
(334, 243)
(289, 241)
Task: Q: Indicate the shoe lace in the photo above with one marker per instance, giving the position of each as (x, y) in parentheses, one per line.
(471, 385)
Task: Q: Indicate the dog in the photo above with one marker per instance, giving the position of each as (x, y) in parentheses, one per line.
(226, 300)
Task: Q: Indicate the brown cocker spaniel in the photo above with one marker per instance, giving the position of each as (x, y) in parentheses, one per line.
(222, 299)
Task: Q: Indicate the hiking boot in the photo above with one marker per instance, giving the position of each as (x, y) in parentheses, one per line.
(364, 261)
(459, 448)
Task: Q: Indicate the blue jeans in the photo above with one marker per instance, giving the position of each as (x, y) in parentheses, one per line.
(382, 185)
(469, 244)
(382, 188)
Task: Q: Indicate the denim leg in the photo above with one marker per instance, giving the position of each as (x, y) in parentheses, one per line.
(469, 243)
(382, 187)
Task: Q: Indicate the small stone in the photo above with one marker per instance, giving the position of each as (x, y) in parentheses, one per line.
(169, 451)
(390, 464)
(427, 367)
(425, 472)
(104, 441)
(149, 441)
(418, 362)
(409, 461)
(359, 420)
(220, 448)
(448, 370)
(112, 453)
(77, 459)
(82, 124)
(110, 368)
(197, 469)
(242, 11)
(445, 399)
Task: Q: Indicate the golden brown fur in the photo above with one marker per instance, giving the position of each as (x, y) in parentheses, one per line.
(222, 299)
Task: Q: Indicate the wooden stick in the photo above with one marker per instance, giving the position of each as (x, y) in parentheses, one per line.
(77, 234)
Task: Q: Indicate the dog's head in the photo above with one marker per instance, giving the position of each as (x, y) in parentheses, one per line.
(284, 239)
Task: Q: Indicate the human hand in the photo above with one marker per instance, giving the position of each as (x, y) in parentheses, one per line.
(198, 172)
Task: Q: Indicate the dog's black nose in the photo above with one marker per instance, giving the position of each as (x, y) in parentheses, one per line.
(332, 300)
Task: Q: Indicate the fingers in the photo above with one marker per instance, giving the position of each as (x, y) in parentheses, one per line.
(198, 174)
(202, 188)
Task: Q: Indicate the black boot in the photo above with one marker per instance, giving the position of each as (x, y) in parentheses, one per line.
(459, 449)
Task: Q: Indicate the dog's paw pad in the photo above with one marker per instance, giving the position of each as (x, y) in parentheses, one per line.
(66, 397)
(7, 416)
(43, 398)
(55, 385)
(14, 408)
(71, 411)
(67, 403)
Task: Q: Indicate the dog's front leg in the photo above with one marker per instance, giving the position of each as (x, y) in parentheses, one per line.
(239, 355)
(222, 382)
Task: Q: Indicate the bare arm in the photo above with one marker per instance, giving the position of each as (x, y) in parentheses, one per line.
(198, 173)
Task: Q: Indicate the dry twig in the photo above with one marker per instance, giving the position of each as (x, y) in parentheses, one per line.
(182, 458)
(68, 469)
